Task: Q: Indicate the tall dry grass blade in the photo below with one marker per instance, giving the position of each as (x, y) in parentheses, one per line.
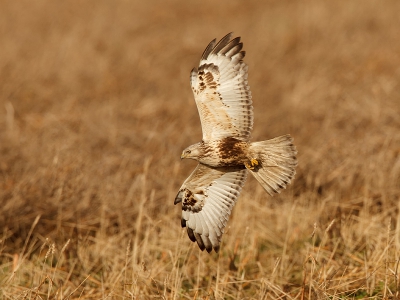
(217, 279)
(274, 273)
(138, 225)
(283, 262)
(22, 255)
(395, 294)
(388, 242)
(80, 284)
(127, 254)
(324, 239)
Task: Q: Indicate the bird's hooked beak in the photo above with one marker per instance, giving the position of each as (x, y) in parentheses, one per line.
(185, 154)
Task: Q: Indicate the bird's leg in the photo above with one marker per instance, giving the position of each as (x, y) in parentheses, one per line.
(253, 162)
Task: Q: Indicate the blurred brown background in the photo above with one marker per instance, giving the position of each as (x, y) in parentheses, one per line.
(96, 107)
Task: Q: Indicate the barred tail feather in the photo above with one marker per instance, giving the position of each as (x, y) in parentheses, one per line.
(277, 162)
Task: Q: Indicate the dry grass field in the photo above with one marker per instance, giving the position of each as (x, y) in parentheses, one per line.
(96, 107)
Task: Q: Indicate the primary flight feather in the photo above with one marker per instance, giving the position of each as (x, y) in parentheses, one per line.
(223, 99)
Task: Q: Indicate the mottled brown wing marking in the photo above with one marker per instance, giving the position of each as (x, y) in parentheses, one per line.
(189, 199)
(206, 79)
(190, 203)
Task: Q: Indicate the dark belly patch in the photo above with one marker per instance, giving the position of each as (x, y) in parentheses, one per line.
(232, 150)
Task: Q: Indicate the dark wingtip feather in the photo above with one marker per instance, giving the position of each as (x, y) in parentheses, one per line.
(201, 245)
(199, 241)
(207, 244)
(183, 222)
(223, 46)
(222, 43)
(191, 234)
(233, 44)
(208, 50)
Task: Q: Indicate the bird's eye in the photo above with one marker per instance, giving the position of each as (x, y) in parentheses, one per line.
(188, 151)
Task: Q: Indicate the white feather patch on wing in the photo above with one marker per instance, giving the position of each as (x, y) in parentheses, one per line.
(208, 196)
(221, 91)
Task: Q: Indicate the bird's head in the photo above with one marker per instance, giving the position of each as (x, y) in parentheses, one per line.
(193, 152)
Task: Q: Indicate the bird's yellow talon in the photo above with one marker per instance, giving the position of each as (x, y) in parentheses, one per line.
(254, 162)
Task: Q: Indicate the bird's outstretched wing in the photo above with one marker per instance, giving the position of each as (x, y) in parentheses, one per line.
(208, 196)
(221, 92)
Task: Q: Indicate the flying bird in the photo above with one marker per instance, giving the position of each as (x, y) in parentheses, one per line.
(225, 153)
